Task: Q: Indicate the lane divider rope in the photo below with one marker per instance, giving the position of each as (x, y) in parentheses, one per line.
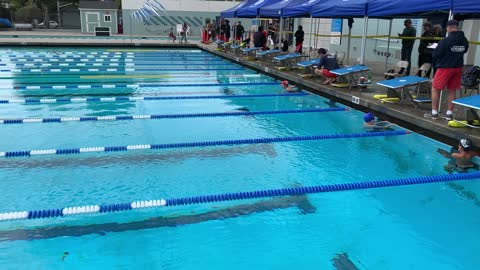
(73, 151)
(100, 65)
(87, 86)
(159, 116)
(116, 70)
(234, 196)
(145, 98)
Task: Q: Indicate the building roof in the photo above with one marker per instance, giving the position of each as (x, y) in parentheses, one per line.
(89, 4)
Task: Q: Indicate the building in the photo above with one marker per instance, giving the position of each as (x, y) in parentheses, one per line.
(98, 14)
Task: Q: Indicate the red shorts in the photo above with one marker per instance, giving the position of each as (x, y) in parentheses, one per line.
(328, 74)
(450, 78)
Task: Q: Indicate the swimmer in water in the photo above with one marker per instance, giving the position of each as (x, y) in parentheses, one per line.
(372, 125)
(290, 88)
(65, 254)
(227, 91)
(461, 157)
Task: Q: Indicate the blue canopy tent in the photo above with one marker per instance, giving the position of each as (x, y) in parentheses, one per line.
(6, 23)
(252, 9)
(290, 8)
(345, 9)
(389, 9)
(232, 12)
(470, 8)
(410, 8)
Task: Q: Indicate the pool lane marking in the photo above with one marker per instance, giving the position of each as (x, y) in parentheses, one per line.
(234, 196)
(89, 149)
(72, 70)
(160, 116)
(133, 85)
(138, 98)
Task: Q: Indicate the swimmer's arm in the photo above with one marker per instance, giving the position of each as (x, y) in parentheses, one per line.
(445, 153)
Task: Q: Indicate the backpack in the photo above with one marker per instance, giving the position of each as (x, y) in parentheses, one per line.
(471, 76)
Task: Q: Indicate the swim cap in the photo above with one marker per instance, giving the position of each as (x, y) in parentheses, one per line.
(285, 83)
(368, 117)
(466, 143)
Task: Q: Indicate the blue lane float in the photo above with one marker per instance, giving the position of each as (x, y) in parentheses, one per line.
(111, 70)
(74, 151)
(145, 98)
(88, 86)
(159, 116)
(126, 65)
(282, 192)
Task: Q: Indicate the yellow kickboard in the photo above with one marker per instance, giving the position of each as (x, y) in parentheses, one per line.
(461, 124)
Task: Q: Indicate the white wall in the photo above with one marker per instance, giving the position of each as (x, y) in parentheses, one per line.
(184, 5)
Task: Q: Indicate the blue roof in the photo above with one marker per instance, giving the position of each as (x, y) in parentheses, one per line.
(251, 10)
(466, 7)
(340, 9)
(410, 8)
(289, 8)
(232, 12)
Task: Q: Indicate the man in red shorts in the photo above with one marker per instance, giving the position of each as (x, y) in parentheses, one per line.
(326, 63)
(448, 59)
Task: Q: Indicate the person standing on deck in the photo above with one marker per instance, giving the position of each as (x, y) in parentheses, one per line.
(448, 59)
(408, 35)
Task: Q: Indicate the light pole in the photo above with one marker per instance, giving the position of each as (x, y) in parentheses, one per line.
(58, 14)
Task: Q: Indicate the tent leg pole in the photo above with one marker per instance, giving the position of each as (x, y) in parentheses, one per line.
(348, 45)
(281, 30)
(364, 40)
(310, 39)
(388, 45)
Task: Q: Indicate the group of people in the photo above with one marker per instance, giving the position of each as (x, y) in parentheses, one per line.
(223, 31)
(445, 57)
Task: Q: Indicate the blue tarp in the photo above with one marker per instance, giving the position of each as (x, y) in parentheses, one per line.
(410, 8)
(252, 10)
(340, 9)
(466, 6)
(289, 8)
(232, 12)
(6, 22)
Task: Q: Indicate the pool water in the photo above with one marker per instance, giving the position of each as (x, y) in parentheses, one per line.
(432, 226)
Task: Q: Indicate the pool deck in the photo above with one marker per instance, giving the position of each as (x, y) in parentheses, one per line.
(403, 114)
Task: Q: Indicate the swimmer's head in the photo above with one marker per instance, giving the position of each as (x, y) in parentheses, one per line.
(368, 117)
(285, 83)
(466, 144)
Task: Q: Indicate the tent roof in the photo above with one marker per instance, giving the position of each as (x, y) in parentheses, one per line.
(410, 8)
(340, 9)
(251, 10)
(232, 12)
(289, 8)
(466, 7)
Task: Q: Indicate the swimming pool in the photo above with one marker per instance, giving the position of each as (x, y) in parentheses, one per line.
(430, 226)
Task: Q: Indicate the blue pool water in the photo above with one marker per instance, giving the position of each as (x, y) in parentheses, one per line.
(431, 226)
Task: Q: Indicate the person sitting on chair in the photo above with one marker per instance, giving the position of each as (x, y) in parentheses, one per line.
(326, 63)
(172, 35)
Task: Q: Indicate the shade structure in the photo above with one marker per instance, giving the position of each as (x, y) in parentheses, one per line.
(232, 12)
(6, 23)
(289, 8)
(409, 8)
(340, 9)
(471, 7)
(252, 10)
